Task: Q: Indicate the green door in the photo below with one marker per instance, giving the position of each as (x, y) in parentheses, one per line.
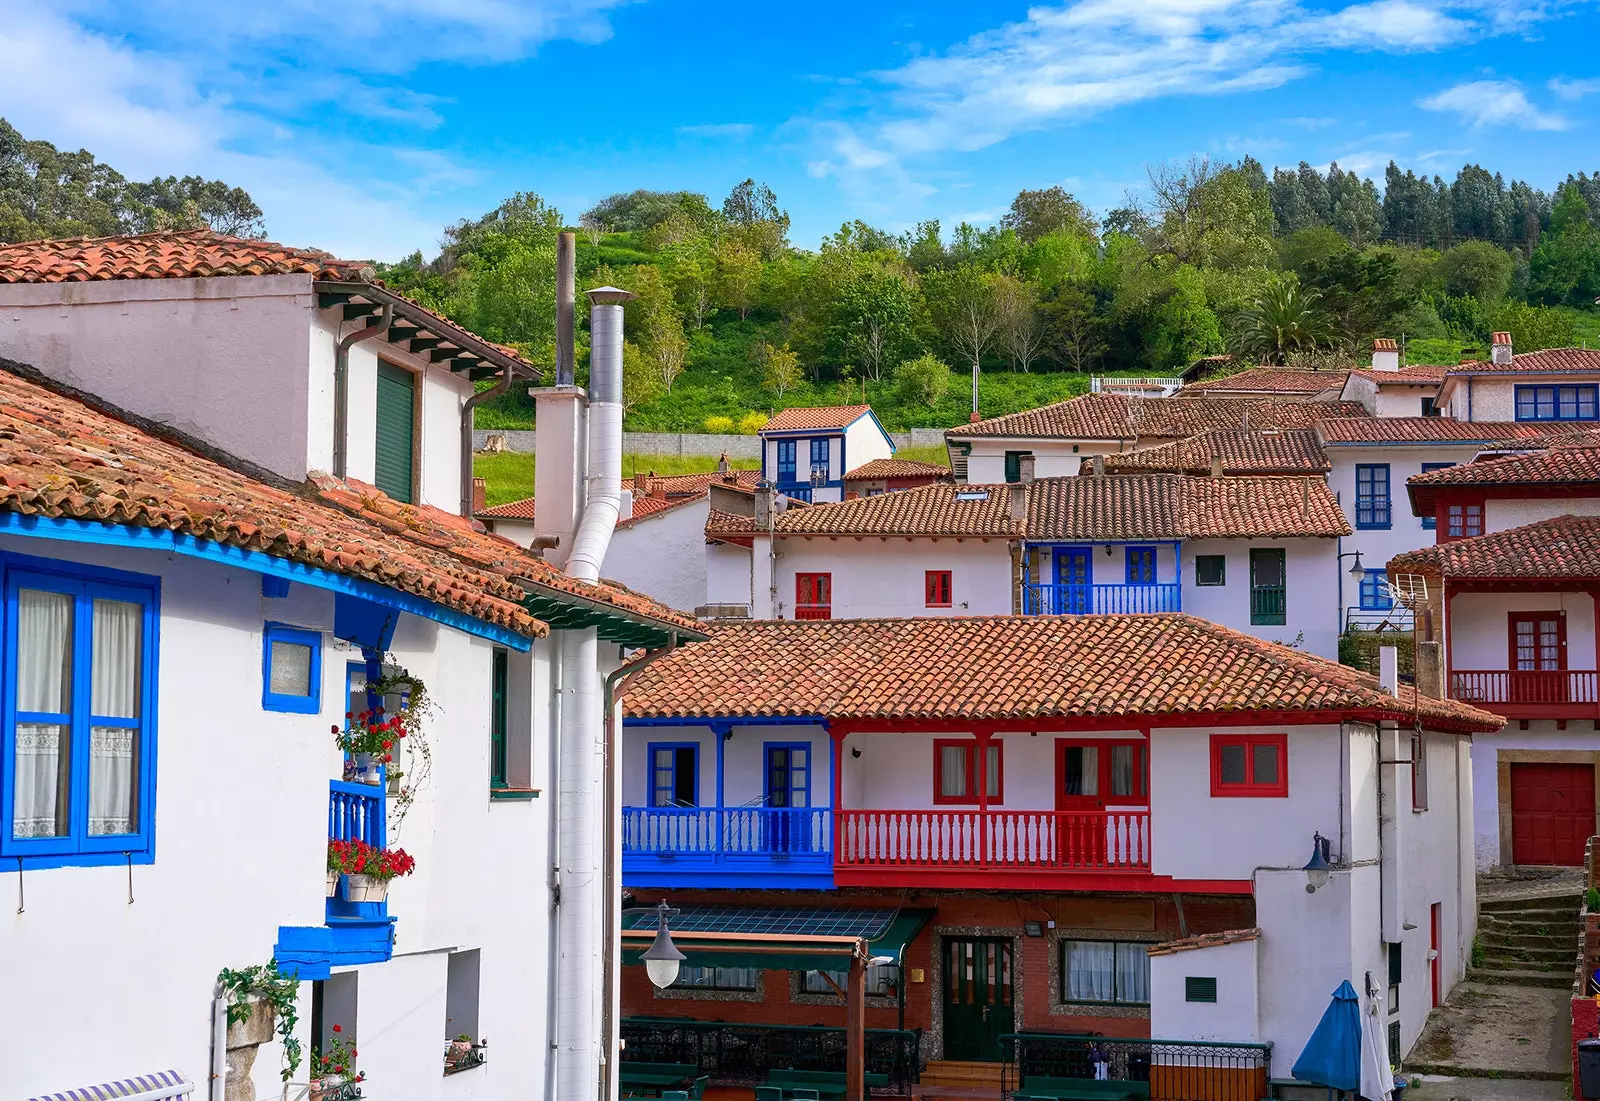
(397, 403)
(977, 997)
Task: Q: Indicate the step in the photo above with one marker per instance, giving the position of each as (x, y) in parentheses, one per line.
(1564, 965)
(1538, 924)
(1521, 977)
(1557, 907)
(1570, 901)
(1495, 939)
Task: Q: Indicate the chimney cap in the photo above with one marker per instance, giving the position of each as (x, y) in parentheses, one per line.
(1384, 344)
(609, 296)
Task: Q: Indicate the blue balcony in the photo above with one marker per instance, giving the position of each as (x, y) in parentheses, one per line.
(1039, 599)
(778, 847)
(352, 932)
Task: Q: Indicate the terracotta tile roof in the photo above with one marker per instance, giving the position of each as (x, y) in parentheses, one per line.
(1265, 451)
(62, 459)
(1171, 506)
(511, 510)
(879, 469)
(1556, 361)
(181, 254)
(1114, 417)
(1553, 465)
(1415, 374)
(997, 667)
(816, 416)
(1270, 380)
(1129, 506)
(721, 523)
(1558, 548)
(1204, 940)
(1429, 430)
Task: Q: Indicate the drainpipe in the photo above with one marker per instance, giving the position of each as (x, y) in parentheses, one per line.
(467, 407)
(219, 1047)
(341, 385)
(552, 1007)
(615, 686)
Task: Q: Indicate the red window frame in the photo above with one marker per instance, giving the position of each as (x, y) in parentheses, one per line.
(1470, 517)
(1250, 789)
(970, 745)
(813, 596)
(1103, 785)
(936, 588)
(1534, 617)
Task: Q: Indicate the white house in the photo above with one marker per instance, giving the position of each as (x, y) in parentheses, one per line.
(1553, 385)
(1061, 808)
(154, 831)
(807, 450)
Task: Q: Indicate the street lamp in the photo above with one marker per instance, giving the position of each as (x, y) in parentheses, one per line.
(662, 959)
(1356, 570)
(1316, 868)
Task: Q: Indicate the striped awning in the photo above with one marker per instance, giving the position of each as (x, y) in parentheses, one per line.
(160, 1085)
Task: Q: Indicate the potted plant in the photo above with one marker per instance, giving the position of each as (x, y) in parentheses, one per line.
(369, 738)
(333, 1070)
(367, 869)
(394, 776)
(257, 997)
(459, 1049)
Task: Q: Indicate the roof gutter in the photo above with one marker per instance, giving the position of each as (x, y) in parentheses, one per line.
(467, 408)
(341, 386)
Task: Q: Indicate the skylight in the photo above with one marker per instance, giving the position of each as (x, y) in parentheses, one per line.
(972, 494)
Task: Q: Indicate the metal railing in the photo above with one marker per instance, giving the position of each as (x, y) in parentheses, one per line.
(744, 1054)
(355, 813)
(1267, 605)
(1173, 1070)
(1169, 384)
(1532, 686)
(1042, 599)
(716, 831)
(1398, 618)
(799, 491)
(1044, 840)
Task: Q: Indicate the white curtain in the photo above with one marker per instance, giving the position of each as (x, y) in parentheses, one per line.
(1122, 770)
(1082, 770)
(1133, 973)
(1089, 970)
(114, 750)
(44, 684)
(953, 771)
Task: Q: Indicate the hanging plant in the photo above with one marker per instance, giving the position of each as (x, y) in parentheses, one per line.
(416, 708)
(263, 987)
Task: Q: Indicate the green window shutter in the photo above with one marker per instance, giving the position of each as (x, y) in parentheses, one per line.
(497, 720)
(1197, 988)
(397, 399)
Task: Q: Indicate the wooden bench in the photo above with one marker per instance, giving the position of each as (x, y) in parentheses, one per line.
(654, 1077)
(1037, 1088)
(827, 1083)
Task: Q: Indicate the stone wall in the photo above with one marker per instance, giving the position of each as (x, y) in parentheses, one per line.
(692, 443)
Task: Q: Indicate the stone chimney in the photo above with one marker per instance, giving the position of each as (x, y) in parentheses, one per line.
(1019, 503)
(1025, 469)
(722, 463)
(1430, 670)
(1385, 354)
(480, 495)
(1216, 466)
(766, 506)
(1500, 349)
(1098, 466)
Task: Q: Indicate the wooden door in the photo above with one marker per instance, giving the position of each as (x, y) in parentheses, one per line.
(978, 1003)
(1552, 813)
(1538, 657)
(1433, 951)
(1081, 787)
(1074, 591)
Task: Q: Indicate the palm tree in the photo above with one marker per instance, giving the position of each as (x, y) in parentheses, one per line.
(1285, 319)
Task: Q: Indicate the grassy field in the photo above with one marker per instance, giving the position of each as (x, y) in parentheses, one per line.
(510, 473)
(934, 454)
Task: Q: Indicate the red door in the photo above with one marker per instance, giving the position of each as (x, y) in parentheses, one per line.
(1552, 813)
(813, 595)
(1433, 950)
(1538, 657)
(1080, 789)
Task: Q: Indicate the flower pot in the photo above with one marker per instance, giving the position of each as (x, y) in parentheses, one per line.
(333, 884)
(394, 785)
(366, 769)
(365, 888)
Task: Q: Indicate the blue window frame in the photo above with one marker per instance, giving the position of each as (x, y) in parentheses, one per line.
(1375, 592)
(78, 752)
(674, 774)
(819, 457)
(1141, 565)
(788, 777)
(1372, 495)
(291, 670)
(1430, 522)
(786, 452)
(1557, 403)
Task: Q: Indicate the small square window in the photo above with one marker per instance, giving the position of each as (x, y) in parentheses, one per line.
(291, 675)
(936, 588)
(1200, 988)
(1211, 569)
(1249, 765)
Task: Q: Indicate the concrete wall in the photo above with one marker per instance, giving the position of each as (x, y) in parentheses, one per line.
(240, 851)
(1233, 1018)
(696, 443)
(1311, 603)
(872, 577)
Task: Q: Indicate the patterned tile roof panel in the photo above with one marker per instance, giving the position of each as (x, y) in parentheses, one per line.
(1253, 451)
(1009, 667)
(1114, 417)
(1356, 430)
(1550, 361)
(177, 254)
(939, 509)
(1270, 380)
(1561, 548)
(1554, 465)
(1414, 374)
(816, 416)
(880, 469)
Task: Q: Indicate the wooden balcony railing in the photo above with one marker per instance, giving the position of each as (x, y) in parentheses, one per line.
(1116, 840)
(1267, 605)
(356, 813)
(1101, 599)
(1533, 687)
(720, 831)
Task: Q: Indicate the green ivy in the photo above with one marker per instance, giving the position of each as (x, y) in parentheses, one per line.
(267, 985)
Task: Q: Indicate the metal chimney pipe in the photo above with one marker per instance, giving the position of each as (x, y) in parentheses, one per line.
(566, 293)
(603, 499)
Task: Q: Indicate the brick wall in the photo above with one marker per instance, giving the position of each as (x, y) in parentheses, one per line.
(1036, 982)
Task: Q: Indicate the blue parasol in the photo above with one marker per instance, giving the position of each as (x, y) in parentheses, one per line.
(1332, 1057)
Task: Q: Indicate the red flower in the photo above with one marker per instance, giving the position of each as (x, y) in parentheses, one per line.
(387, 744)
(336, 1028)
(336, 728)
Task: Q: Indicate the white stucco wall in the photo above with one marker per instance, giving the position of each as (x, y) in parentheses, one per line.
(727, 569)
(1479, 625)
(743, 762)
(1498, 515)
(873, 577)
(863, 442)
(986, 465)
(1311, 602)
(1231, 1019)
(220, 359)
(663, 555)
(1398, 400)
(520, 532)
(241, 820)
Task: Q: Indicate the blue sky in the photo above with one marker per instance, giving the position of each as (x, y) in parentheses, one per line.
(365, 127)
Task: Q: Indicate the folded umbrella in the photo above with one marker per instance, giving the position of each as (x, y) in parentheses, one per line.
(1332, 1057)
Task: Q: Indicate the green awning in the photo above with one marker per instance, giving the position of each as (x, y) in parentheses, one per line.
(726, 932)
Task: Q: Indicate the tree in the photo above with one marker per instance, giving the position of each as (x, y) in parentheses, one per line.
(873, 322)
(1285, 319)
(1477, 269)
(1022, 330)
(1033, 214)
(637, 211)
(1534, 327)
(1565, 268)
(1211, 216)
(735, 274)
(965, 309)
(780, 369)
(924, 381)
(651, 319)
(196, 203)
(752, 210)
(1072, 329)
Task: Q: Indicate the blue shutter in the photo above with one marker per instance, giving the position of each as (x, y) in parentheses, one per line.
(393, 471)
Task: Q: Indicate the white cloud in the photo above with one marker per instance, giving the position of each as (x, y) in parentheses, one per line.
(1493, 103)
(1574, 89)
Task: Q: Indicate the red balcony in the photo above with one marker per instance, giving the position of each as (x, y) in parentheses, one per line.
(1529, 694)
(980, 848)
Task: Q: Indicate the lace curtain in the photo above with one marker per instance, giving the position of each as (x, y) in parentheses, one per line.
(114, 750)
(44, 685)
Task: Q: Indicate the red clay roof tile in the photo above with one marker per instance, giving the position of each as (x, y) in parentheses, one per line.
(177, 254)
(1204, 940)
(1557, 361)
(1270, 380)
(1264, 451)
(816, 416)
(1561, 548)
(1430, 430)
(1114, 417)
(1553, 465)
(880, 469)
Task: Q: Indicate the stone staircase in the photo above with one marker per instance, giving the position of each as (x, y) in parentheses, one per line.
(1528, 941)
